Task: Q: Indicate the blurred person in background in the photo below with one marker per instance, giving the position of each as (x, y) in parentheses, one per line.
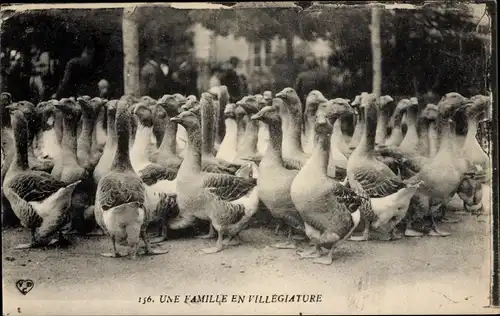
(17, 76)
(40, 67)
(215, 74)
(231, 79)
(340, 77)
(154, 76)
(81, 75)
(103, 86)
(312, 78)
(186, 78)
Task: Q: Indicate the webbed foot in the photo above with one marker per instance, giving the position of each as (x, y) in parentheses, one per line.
(285, 245)
(112, 255)
(158, 240)
(412, 233)
(206, 236)
(210, 250)
(25, 246)
(436, 232)
(359, 238)
(326, 260)
(315, 253)
(299, 238)
(450, 219)
(153, 252)
(231, 242)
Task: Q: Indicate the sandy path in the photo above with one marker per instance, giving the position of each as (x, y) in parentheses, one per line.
(434, 275)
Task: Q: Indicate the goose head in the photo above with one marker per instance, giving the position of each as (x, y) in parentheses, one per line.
(171, 104)
(29, 111)
(328, 112)
(97, 104)
(147, 100)
(249, 104)
(385, 102)
(291, 99)
(239, 112)
(84, 103)
(214, 92)
(313, 100)
(190, 102)
(111, 106)
(430, 112)
(69, 108)
(451, 103)
(5, 100)
(269, 115)
(230, 110)
(190, 120)
(143, 113)
(46, 111)
(397, 116)
(268, 97)
(479, 105)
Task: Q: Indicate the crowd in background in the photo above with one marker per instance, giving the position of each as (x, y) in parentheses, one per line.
(33, 75)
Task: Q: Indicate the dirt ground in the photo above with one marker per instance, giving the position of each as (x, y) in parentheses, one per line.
(423, 275)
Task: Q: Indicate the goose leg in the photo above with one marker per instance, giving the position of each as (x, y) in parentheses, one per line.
(316, 252)
(61, 241)
(162, 235)
(277, 229)
(211, 233)
(436, 231)
(232, 241)
(366, 233)
(149, 250)
(218, 245)
(410, 232)
(32, 244)
(115, 253)
(289, 244)
(326, 260)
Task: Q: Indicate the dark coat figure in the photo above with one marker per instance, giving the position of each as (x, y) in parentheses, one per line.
(80, 76)
(187, 79)
(231, 80)
(153, 80)
(17, 78)
(314, 78)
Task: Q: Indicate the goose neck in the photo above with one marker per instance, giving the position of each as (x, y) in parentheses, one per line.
(367, 143)
(20, 159)
(250, 138)
(192, 158)
(121, 160)
(381, 132)
(273, 151)
(69, 142)
(208, 119)
(169, 143)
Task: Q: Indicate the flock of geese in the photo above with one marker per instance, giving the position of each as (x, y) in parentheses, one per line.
(84, 165)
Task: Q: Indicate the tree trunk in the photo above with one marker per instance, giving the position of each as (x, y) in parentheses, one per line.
(130, 52)
(289, 48)
(376, 52)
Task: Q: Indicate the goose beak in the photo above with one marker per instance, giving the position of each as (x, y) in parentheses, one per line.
(256, 117)
(11, 107)
(176, 119)
(280, 95)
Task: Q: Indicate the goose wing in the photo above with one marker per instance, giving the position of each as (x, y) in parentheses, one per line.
(155, 172)
(215, 168)
(292, 164)
(228, 187)
(378, 181)
(230, 213)
(117, 189)
(35, 185)
(347, 197)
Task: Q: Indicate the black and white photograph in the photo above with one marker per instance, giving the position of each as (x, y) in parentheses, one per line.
(249, 158)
